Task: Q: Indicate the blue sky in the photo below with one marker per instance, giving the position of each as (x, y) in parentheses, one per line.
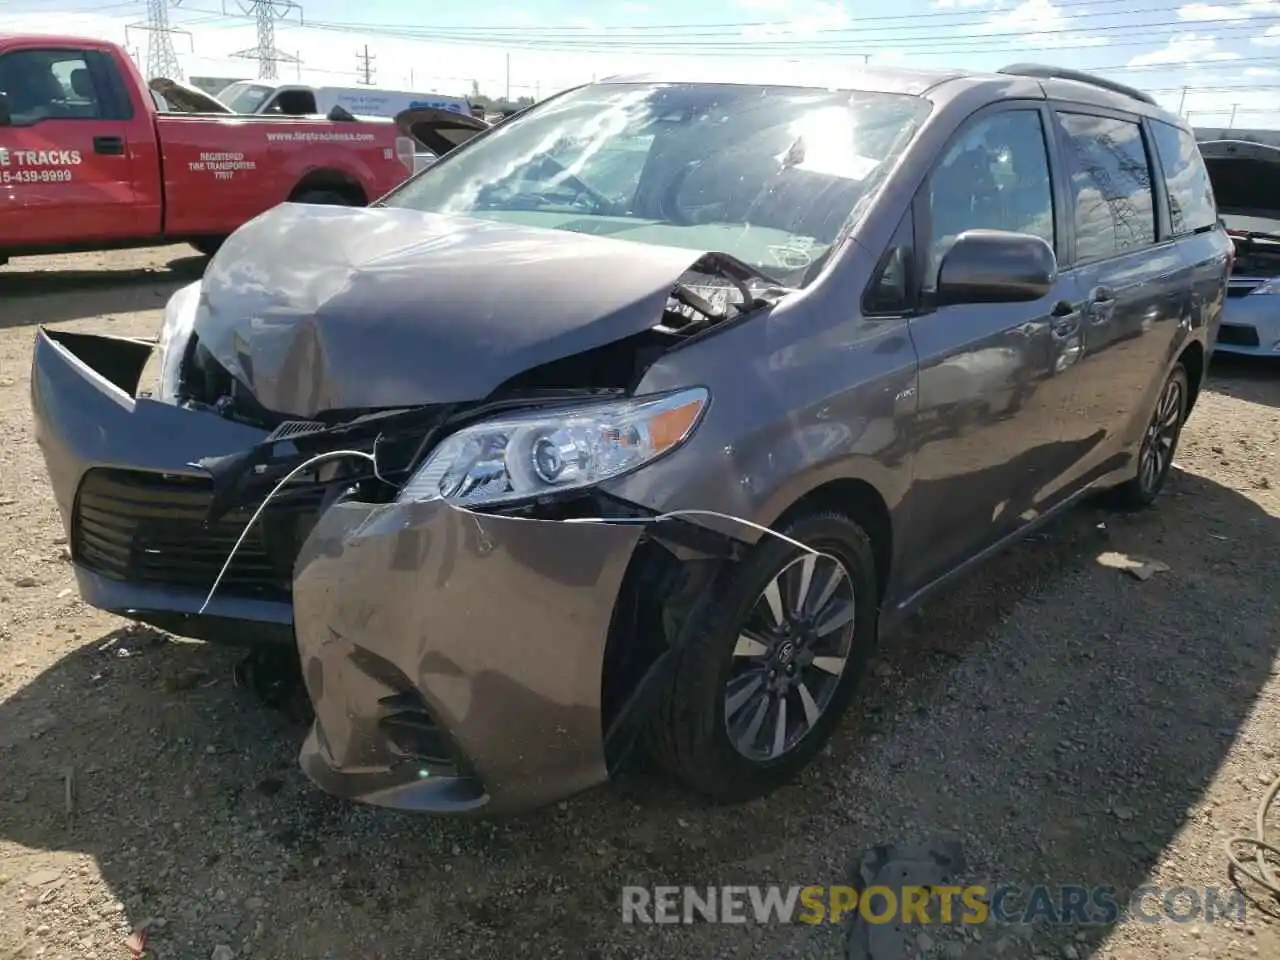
(1224, 53)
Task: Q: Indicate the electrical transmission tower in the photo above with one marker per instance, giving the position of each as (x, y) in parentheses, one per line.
(265, 13)
(366, 67)
(162, 59)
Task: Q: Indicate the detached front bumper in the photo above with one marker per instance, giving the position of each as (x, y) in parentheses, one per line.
(455, 659)
(131, 505)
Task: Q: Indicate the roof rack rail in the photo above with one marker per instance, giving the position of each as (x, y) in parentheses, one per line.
(1043, 72)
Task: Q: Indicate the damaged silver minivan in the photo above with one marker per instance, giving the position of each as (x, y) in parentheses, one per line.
(638, 417)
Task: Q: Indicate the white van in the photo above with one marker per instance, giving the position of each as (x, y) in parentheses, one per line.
(296, 99)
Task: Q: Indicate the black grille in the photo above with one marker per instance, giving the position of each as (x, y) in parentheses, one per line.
(1237, 336)
(411, 730)
(149, 528)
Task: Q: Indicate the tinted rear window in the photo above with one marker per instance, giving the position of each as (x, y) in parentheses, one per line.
(1191, 205)
(1111, 181)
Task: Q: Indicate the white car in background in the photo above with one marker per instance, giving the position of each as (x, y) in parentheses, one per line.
(1246, 184)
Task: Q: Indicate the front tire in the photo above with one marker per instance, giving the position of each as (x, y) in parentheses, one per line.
(770, 662)
(1159, 443)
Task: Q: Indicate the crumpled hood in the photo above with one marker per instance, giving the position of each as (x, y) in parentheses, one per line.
(317, 308)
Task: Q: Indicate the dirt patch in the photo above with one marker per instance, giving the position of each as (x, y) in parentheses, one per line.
(1063, 720)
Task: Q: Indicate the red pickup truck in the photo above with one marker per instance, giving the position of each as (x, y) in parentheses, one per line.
(88, 160)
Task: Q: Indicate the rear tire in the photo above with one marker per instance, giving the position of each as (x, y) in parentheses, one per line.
(717, 728)
(1159, 444)
(328, 198)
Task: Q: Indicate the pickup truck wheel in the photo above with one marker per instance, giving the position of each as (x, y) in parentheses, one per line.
(326, 197)
(208, 245)
(773, 656)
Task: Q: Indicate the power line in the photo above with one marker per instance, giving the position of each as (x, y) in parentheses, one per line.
(854, 24)
(914, 41)
(922, 43)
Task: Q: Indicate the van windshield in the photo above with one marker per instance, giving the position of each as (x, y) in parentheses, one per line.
(768, 174)
(244, 97)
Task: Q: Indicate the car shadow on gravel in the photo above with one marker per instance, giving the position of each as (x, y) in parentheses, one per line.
(52, 296)
(1057, 717)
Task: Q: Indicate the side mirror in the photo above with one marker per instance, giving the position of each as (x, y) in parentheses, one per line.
(996, 266)
(6, 118)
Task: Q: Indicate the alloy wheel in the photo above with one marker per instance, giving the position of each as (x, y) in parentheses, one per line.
(1161, 436)
(792, 648)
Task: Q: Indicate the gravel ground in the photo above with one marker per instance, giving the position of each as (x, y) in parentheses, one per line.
(1061, 719)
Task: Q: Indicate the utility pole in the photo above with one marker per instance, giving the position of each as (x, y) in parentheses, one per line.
(508, 97)
(1182, 101)
(365, 69)
(298, 64)
(162, 59)
(1232, 122)
(265, 14)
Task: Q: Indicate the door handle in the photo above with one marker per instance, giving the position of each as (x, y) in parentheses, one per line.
(1065, 318)
(109, 146)
(1102, 305)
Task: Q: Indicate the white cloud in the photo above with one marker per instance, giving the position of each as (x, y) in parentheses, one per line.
(1040, 24)
(329, 57)
(1253, 108)
(960, 4)
(632, 7)
(1201, 12)
(803, 18)
(1261, 6)
(1261, 72)
(1271, 38)
(1184, 49)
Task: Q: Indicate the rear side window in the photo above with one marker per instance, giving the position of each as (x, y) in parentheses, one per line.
(49, 85)
(1191, 204)
(1111, 185)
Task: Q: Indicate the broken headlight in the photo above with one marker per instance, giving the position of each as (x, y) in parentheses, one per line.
(179, 318)
(531, 455)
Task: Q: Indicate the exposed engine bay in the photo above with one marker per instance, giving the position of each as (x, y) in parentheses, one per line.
(1257, 254)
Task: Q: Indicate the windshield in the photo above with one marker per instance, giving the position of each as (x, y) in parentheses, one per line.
(767, 174)
(244, 97)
